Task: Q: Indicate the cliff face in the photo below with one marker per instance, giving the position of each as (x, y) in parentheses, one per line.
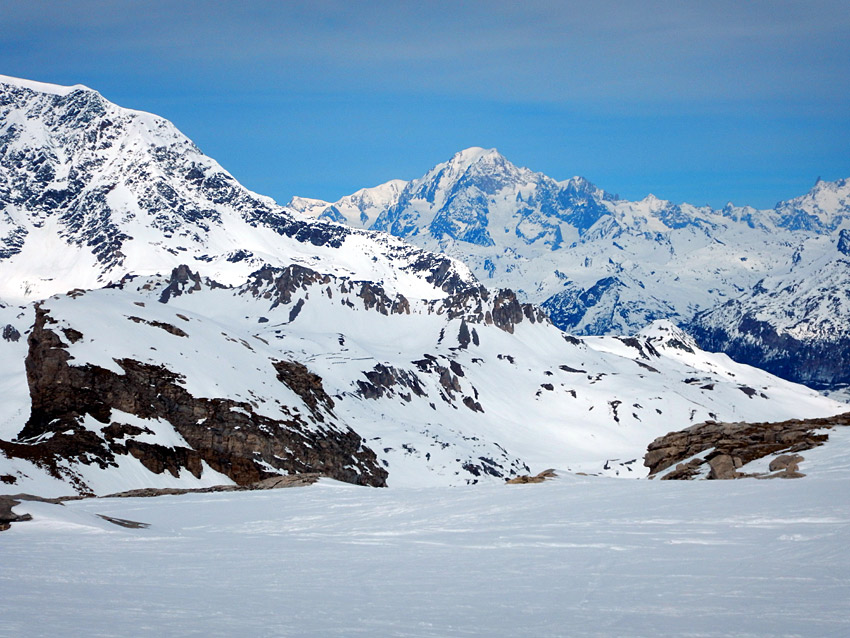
(230, 436)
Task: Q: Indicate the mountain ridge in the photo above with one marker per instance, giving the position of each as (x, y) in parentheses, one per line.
(603, 265)
(93, 191)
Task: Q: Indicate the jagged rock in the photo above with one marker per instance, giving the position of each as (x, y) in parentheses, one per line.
(10, 333)
(844, 242)
(735, 445)
(383, 378)
(305, 384)
(179, 282)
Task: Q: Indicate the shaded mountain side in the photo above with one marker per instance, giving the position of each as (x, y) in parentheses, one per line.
(818, 364)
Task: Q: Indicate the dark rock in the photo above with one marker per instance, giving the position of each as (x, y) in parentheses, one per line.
(10, 333)
(472, 404)
(177, 332)
(382, 379)
(182, 280)
(306, 385)
(844, 242)
(463, 336)
(7, 516)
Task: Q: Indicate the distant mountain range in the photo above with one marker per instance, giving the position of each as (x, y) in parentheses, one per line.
(769, 287)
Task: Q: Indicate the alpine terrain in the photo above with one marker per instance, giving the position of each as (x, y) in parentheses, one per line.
(767, 287)
(164, 327)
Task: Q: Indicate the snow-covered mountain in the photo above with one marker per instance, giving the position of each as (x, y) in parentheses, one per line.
(795, 324)
(90, 191)
(602, 265)
(179, 381)
(162, 326)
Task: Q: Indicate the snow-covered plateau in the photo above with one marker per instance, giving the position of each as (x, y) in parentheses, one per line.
(575, 556)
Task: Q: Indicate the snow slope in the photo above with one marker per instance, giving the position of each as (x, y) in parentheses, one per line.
(577, 556)
(445, 392)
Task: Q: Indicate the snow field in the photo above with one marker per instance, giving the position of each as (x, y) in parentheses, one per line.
(571, 557)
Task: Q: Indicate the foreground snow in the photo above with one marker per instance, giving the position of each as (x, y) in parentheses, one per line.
(577, 556)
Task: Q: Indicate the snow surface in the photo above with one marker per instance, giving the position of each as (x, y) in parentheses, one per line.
(576, 556)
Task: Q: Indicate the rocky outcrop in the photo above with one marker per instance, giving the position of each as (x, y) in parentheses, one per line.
(271, 483)
(843, 243)
(383, 380)
(230, 436)
(10, 333)
(182, 280)
(525, 478)
(7, 516)
(306, 385)
(720, 450)
(280, 285)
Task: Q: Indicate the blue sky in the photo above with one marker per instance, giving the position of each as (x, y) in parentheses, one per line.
(693, 101)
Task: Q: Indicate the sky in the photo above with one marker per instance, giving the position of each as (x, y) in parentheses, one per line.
(704, 102)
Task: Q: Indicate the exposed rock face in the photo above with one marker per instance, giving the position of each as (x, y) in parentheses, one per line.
(474, 304)
(7, 516)
(228, 435)
(843, 244)
(306, 385)
(730, 446)
(182, 280)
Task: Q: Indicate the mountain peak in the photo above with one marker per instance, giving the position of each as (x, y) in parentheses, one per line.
(483, 160)
(473, 154)
(825, 208)
(42, 87)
